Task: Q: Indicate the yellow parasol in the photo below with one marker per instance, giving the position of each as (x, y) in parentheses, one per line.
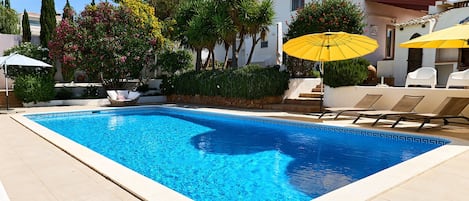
(329, 46)
(453, 37)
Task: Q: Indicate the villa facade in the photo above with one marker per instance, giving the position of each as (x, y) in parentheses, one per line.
(380, 18)
(442, 15)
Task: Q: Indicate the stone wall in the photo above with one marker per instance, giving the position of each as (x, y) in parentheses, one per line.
(223, 101)
(12, 100)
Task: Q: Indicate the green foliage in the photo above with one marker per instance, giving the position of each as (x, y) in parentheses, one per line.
(249, 82)
(143, 88)
(64, 94)
(26, 27)
(34, 87)
(47, 20)
(68, 12)
(204, 23)
(8, 20)
(173, 61)
(31, 50)
(90, 92)
(165, 11)
(327, 15)
(346, 73)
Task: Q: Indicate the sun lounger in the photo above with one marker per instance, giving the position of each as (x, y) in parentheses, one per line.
(364, 104)
(122, 97)
(405, 105)
(450, 108)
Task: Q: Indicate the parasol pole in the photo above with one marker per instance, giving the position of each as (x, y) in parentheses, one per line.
(5, 72)
(322, 86)
(6, 83)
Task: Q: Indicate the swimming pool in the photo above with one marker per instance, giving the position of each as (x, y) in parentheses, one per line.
(214, 156)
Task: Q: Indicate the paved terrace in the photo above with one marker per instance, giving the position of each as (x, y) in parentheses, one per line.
(31, 168)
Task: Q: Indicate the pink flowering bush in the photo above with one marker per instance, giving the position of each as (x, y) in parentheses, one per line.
(107, 42)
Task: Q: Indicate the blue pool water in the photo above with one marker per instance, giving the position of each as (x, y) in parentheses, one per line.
(208, 156)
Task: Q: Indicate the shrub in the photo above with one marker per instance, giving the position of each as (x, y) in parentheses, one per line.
(34, 88)
(31, 50)
(172, 61)
(346, 73)
(249, 82)
(64, 94)
(90, 92)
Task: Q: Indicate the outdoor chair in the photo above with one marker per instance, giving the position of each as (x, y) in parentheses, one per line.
(364, 104)
(404, 106)
(422, 76)
(450, 108)
(122, 97)
(460, 79)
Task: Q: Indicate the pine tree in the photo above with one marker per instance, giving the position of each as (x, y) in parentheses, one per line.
(26, 27)
(48, 22)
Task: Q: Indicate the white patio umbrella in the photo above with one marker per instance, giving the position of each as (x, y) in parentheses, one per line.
(17, 60)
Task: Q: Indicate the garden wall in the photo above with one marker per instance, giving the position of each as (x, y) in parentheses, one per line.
(12, 100)
(223, 101)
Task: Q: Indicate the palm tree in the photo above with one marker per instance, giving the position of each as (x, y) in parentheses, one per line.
(201, 33)
(225, 27)
(260, 17)
(183, 17)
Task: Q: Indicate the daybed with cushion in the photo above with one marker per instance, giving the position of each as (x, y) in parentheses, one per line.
(122, 97)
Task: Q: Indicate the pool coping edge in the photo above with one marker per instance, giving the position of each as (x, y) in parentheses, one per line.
(147, 189)
(133, 182)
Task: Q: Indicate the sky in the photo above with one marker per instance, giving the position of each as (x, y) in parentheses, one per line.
(35, 5)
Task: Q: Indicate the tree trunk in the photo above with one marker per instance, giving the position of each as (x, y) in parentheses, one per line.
(198, 60)
(213, 59)
(225, 63)
(234, 57)
(254, 43)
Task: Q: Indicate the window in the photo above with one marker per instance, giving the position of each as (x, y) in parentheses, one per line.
(297, 4)
(390, 36)
(264, 44)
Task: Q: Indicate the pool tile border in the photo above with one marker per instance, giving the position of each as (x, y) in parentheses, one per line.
(364, 132)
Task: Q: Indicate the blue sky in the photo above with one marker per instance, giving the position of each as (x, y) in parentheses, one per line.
(35, 5)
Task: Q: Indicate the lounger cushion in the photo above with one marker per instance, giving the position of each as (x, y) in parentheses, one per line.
(112, 94)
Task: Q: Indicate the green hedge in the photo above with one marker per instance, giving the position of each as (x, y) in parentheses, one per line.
(34, 88)
(346, 73)
(249, 82)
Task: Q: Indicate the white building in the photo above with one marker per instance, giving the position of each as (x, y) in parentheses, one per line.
(380, 17)
(443, 15)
